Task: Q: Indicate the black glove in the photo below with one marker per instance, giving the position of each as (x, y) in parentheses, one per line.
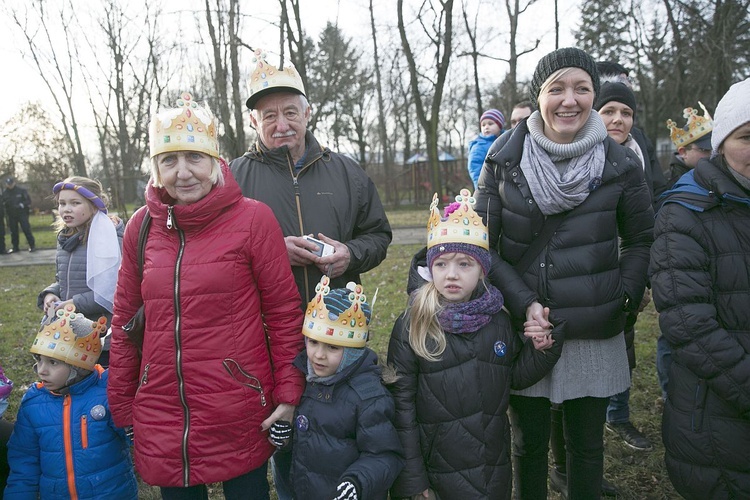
(280, 432)
(346, 491)
(129, 433)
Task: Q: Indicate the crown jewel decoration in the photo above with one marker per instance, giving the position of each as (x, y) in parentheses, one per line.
(188, 127)
(58, 339)
(463, 225)
(342, 326)
(695, 128)
(268, 77)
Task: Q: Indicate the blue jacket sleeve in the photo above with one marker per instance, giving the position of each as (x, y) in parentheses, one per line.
(24, 459)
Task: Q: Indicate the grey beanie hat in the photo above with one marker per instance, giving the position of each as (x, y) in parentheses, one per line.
(568, 57)
(732, 112)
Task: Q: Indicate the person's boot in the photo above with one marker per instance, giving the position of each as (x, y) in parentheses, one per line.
(632, 436)
(558, 481)
(608, 489)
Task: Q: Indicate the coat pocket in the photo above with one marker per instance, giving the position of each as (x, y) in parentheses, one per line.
(235, 371)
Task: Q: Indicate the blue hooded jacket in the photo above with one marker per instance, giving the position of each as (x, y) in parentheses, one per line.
(477, 152)
(66, 446)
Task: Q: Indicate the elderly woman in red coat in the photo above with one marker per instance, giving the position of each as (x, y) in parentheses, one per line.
(223, 321)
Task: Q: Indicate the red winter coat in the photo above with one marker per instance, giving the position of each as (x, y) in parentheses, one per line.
(209, 285)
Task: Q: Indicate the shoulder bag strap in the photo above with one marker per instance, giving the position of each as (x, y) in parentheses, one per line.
(142, 236)
(551, 223)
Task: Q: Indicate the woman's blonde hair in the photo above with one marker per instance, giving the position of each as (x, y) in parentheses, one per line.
(426, 336)
(216, 178)
(92, 185)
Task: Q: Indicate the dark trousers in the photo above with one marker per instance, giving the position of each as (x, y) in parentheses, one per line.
(281, 467)
(16, 218)
(6, 429)
(250, 486)
(2, 230)
(584, 440)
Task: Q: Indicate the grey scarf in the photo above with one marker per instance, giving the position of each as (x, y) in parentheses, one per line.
(561, 176)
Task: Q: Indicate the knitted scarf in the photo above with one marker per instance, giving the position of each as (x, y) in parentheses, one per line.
(559, 188)
(470, 316)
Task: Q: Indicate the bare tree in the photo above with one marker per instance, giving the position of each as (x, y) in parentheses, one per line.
(55, 60)
(436, 21)
(386, 155)
(222, 22)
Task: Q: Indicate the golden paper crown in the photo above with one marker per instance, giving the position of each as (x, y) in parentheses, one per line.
(188, 127)
(695, 128)
(58, 339)
(344, 321)
(267, 78)
(462, 225)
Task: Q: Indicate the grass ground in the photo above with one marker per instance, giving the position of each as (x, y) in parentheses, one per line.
(638, 475)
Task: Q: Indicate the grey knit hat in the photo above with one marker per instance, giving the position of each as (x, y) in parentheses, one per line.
(615, 91)
(568, 57)
(732, 112)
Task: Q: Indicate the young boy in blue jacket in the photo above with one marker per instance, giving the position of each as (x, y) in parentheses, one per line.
(491, 125)
(64, 444)
(345, 446)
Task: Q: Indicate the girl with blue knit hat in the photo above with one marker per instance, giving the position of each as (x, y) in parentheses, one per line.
(457, 357)
(345, 446)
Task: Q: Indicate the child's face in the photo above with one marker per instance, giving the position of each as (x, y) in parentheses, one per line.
(325, 358)
(75, 210)
(53, 372)
(456, 275)
(489, 127)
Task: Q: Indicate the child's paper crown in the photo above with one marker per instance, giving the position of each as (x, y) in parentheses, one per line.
(695, 128)
(338, 318)
(71, 338)
(188, 127)
(463, 225)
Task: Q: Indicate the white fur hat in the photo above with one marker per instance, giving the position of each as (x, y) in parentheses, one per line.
(732, 112)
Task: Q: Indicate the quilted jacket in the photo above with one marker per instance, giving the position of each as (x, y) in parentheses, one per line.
(344, 431)
(223, 324)
(67, 446)
(597, 257)
(451, 415)
(701, 284)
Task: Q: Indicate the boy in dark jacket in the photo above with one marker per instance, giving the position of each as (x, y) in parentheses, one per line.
(345, 445)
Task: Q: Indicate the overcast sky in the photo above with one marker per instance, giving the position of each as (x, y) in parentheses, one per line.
(21, 83)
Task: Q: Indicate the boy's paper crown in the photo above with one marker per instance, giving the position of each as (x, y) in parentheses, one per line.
(339, 317)
(188, 127)
(267, 79)
(462, 225)
(695, 128)
(71, 338)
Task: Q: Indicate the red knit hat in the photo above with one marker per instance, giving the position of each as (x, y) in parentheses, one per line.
(495, 115)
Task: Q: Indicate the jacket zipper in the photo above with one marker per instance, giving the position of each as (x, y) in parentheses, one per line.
(84, 432)
(171, 223)
(297, 199)
(144, 378)
(67, 292)
(68, 446)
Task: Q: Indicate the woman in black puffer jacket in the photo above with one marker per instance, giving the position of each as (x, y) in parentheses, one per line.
(699, 274)
(590, 271)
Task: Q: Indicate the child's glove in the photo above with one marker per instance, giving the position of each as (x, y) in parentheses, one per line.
(280, 433)
(346, 491)
(129, 433)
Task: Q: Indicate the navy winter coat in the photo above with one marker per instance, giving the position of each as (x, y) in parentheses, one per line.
(344, 431)
(700, 275)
